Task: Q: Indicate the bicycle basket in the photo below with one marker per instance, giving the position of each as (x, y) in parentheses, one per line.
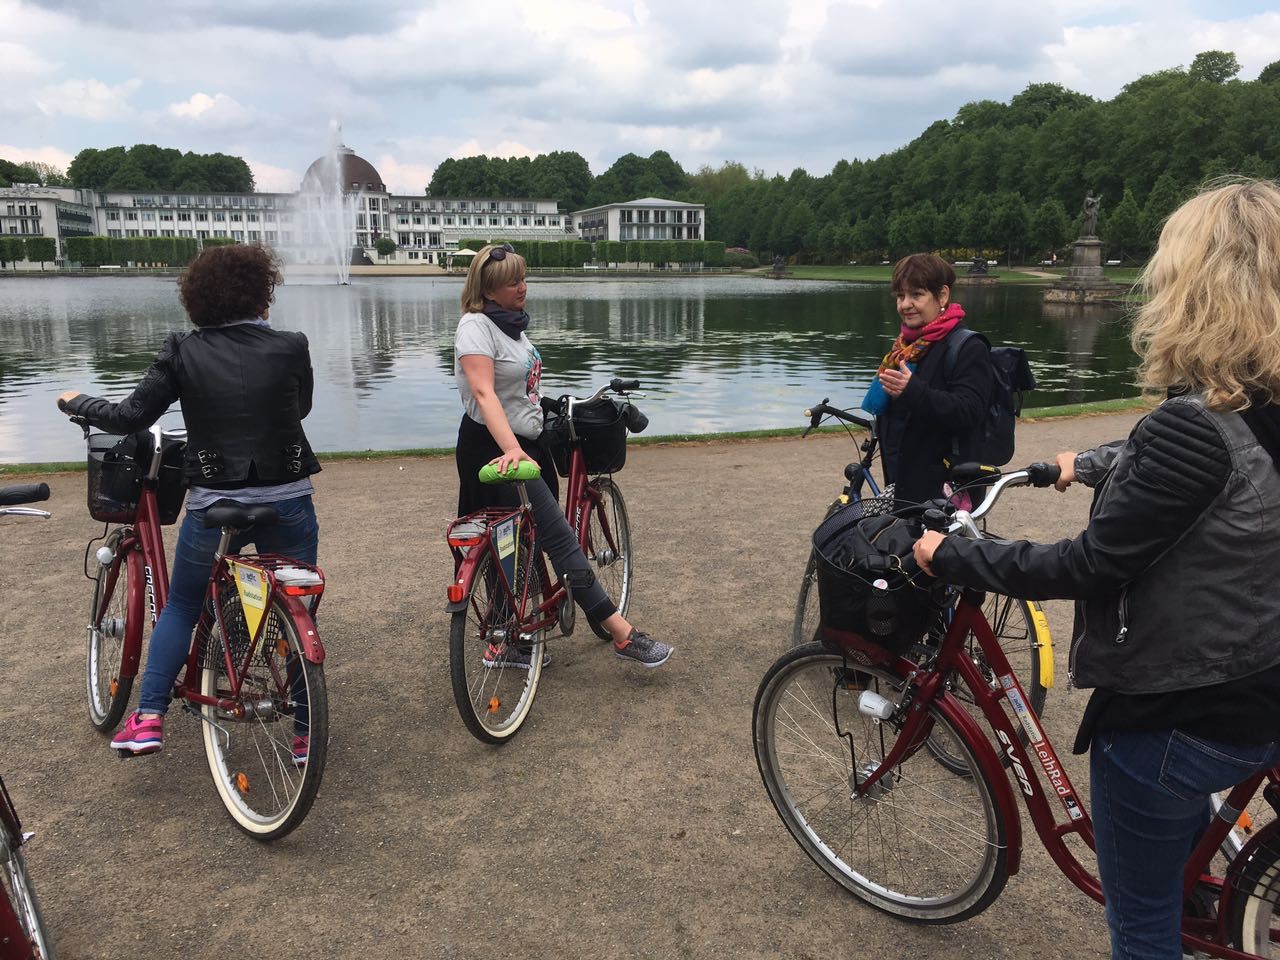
(116, 468)
(602, 434)
(868, 581)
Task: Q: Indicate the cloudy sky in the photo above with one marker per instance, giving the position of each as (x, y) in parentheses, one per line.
(773, 84)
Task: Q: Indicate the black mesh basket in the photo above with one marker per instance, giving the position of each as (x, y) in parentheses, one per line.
(868, 582)
(116, 468)
(602, 433)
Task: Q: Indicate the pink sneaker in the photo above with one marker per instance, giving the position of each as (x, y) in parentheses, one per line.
(301, 749)
(140, 736)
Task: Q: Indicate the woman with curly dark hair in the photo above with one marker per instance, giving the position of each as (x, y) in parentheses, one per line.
(244, 389)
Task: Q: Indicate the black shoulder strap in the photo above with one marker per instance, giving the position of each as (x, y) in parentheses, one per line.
(954, 343)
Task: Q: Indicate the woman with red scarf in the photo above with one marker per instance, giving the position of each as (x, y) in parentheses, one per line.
(924, 411)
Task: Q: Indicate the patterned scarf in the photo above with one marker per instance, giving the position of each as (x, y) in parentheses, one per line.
(912, 345)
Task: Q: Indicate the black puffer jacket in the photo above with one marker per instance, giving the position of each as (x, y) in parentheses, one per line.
(244, 390)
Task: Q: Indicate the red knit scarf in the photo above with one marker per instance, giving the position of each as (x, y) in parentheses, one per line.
(912, 345)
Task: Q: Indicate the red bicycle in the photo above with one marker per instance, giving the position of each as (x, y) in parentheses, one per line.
(503, 594)
(254, 675)
(931, 835)
(22, 931)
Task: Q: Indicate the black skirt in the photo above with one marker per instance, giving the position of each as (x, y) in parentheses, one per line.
(476, 447)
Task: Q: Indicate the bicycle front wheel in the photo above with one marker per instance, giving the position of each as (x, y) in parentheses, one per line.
(22, 895)
(609, 547)
(111, 618)
(925, 843)
(804, 628)
(267, 754)
(495, 666)
(1254, 922)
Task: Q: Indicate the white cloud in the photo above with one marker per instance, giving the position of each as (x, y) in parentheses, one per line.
(403, 177)
(87, 99)
(20, 62)
(50, 155)
(271, 179)
(218, 112)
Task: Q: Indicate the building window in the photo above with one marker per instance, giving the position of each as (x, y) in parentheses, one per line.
(202, 234)
(524, 221)
(402, 221)
(236, 218)
(111, 214)
(254, 236)
(184, 233)
(539, 221)
(166, 233)
(167, 216)
(555, 221)
(131, 233)
(184, 217)
(218, 215)
(435, 221)
(448, 221)
(237, 234)
(464, 221)
(252, 217)
(510, 221)
(148, 233)
(113, 233)
(493, 221)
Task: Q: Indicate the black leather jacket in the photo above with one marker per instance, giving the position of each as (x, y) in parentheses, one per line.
(1177, 567)
(244, 389)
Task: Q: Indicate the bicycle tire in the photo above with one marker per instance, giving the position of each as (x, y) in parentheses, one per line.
(112, 618)
(1253, 922)
(264, 788)
(805, 707)
(610, 553)
(22, 897)
(494, 700)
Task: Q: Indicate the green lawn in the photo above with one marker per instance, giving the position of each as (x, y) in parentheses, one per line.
(883, 273)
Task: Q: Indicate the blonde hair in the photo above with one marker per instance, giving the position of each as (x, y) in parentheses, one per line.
(499, 273)
(1211, 321)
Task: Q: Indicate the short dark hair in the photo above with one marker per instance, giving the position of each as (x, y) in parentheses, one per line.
(224, 284)
(923, 271)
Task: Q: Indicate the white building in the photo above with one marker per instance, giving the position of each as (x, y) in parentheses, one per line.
(30, 210)
(299, 225)
(649, 219)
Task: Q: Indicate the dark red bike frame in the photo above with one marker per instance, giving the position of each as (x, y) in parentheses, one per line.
(581, 497)
(142, 548)
(927, 686)
(14, 944)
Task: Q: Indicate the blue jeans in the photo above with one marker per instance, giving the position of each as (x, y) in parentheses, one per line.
(1150, 798)
(296, 535)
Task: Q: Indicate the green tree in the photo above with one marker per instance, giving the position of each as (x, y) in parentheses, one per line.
(1270, 73)
(1050, 227)
(12, 249)
(1122, 229)
(42, 250)
(1165, 197)
(385, 247)
(1010, 225)
(1214, 66)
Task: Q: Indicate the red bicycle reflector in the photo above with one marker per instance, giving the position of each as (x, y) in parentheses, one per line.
(301, 590)
(457, 592)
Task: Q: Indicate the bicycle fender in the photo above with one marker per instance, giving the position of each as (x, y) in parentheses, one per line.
(135, 610)
(312, 648)
(1006, 803)
(1044, 644)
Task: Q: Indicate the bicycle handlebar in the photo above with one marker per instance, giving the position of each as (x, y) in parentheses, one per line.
(23, 493)
(819, 410)
(1038, 474)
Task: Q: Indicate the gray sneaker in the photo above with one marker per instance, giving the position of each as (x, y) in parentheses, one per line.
(644, 650)
(511, 657)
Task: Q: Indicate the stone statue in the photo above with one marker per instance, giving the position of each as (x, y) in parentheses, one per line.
(1089, 228)
(979, 266)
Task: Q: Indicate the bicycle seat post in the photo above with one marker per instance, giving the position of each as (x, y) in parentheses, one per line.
(223, 544)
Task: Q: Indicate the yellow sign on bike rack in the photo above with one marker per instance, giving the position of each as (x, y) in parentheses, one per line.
(251, 584)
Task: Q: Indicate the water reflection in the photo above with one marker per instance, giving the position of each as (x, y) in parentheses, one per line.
(714, 354)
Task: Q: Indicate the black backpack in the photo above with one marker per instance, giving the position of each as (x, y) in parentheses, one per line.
(994, 443)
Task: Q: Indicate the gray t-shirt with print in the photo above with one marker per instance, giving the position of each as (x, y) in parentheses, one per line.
(517, 373)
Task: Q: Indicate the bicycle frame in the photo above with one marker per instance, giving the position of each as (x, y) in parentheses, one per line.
(580, 499)
(926, 686)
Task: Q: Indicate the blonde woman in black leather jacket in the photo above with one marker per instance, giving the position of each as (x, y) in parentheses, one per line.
(1178, 627)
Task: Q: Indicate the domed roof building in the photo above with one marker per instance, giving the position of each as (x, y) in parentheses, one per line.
(342, 169)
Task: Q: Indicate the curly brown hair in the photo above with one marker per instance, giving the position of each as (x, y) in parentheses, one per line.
(224, 284)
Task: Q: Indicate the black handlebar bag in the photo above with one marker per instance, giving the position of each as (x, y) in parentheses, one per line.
(868, 580)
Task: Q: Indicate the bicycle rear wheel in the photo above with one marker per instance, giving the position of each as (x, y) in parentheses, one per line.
(925, 844)
(1254, 921)
(494, 665)
(267, 758)
(22, 895)
(609, 547)
(111, 618)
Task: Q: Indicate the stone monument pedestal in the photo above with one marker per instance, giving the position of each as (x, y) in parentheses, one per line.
(1085, 281)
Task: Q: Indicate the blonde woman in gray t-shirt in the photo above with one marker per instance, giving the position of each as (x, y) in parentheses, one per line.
(499, 375)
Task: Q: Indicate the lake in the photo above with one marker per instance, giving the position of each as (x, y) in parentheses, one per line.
(714, 354)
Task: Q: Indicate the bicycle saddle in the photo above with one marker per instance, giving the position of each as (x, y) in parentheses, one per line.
(239, 516)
